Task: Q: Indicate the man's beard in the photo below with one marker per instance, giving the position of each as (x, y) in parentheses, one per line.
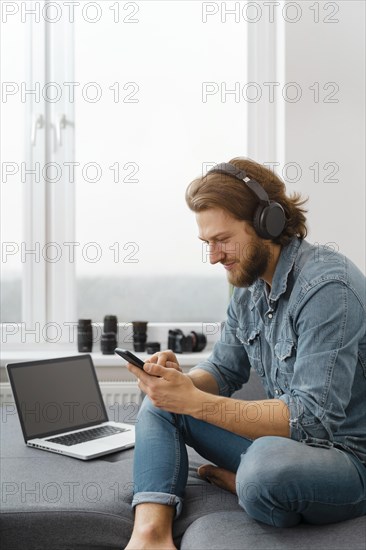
(251, 265)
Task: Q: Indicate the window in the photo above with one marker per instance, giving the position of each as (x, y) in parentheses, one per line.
(127, 103)
(149, 118)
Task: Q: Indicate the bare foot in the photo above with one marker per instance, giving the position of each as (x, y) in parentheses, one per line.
(147, 541)
(152, 528)
(218, 476)
(141, 544)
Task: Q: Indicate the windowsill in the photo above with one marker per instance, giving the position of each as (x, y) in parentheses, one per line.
(99, 360)
(109, 368)
(20, 344)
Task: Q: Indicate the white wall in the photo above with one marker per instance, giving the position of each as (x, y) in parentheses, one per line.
(329, 132)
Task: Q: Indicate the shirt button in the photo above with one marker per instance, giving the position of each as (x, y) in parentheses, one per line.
(270, 315)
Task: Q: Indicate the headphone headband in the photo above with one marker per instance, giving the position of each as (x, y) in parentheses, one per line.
(231, 170)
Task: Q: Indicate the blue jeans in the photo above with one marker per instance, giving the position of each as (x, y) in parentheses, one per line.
(279, 481)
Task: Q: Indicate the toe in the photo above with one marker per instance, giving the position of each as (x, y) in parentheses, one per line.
(205, 470)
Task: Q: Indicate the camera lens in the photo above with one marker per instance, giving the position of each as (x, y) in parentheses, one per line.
(85, 335)
(199, 341)
(152, 347)
(108, 343)
(110, 324)
(139, 335)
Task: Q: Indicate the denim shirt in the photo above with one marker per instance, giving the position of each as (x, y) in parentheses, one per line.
(306, 340)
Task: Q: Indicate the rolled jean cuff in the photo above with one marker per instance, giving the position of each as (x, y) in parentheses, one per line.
(159, 498)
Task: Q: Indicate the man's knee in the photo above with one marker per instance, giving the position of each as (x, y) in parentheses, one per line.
(149, 413)
(261, 477)
(259, 469)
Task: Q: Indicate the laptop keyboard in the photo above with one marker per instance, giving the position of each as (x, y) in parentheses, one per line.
(87, 435)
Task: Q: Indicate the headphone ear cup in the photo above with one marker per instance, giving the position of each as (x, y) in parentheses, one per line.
(269, 220)
(257, 221)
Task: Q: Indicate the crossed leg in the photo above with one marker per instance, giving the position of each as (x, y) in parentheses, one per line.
(278, 481)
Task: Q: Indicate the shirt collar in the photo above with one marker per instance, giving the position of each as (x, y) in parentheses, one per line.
(284, 265)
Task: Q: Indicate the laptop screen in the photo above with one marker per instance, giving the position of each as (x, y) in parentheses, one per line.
(56, 395)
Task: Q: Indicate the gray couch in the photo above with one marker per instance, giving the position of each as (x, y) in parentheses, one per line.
(51, 501)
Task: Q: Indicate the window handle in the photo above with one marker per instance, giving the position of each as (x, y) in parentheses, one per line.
(37, 124)
(60, 125)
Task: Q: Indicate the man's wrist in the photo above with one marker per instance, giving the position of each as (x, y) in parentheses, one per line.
(204, 381)
(198, 402)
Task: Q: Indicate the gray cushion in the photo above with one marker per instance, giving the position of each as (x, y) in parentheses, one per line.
(53, 501)
(237, 531)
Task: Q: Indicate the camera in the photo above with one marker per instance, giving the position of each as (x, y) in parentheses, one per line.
(179, 343)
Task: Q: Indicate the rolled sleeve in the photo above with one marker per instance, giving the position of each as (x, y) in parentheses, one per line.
(305, 422)
(212, 369)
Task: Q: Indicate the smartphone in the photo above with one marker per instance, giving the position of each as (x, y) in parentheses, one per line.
(130, 357)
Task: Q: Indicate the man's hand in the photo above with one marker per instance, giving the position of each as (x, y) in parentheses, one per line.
(166, 359)
(167, 388)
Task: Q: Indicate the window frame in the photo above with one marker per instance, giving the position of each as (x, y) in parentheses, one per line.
(49, 207)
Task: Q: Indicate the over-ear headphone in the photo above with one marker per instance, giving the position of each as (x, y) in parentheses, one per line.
(269, 217)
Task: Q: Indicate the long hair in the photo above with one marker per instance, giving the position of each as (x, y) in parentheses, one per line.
(218, 190)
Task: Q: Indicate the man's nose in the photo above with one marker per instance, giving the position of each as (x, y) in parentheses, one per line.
(215, 252)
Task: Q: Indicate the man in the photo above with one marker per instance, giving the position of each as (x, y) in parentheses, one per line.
(297, 317)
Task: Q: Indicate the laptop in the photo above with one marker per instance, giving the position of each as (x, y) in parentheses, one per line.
(61, 409)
